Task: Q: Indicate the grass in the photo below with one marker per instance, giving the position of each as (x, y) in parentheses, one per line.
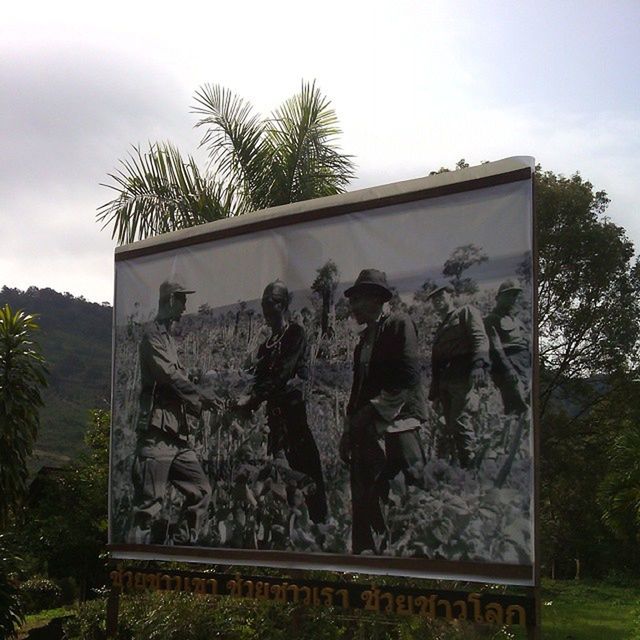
(589, 610)
(40, 619)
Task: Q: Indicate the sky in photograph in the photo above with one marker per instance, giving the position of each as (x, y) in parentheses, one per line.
(409, 241)
(416, 86)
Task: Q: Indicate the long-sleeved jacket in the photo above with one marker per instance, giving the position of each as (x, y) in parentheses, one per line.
(510, 360)
(392, 382)
(166, 392)
(460, 343)
(280, 360)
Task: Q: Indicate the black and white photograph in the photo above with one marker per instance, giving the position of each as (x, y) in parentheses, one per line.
(358, 385)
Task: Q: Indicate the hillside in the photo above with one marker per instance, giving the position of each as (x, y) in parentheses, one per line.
(75, 337)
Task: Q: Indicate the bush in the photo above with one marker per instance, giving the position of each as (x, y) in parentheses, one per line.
(181, 616)
(69, 588)
(11, 609)
(40, 593)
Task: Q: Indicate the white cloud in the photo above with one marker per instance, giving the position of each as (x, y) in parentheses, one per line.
(416, 85)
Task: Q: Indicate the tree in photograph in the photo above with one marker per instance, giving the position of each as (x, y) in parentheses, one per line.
(461, 259)
(254, 163)
(325, 286)
(22, 379)
(422, 294)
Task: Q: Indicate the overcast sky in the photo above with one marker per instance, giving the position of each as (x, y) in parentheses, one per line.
(416, 85)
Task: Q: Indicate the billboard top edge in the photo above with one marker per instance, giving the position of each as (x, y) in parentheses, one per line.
(392, 193)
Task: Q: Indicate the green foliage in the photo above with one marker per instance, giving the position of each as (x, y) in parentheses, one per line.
(183, 616)
(11, 608)
(22, 378)
(577, 466)
(589, 285)
(619, 493)
(589, 326)
(162, 182)
(588, 610)
(65, 528)
(254, 163)
(75, 337)
(39, 593)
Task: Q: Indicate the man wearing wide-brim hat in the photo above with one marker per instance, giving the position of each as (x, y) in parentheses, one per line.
(459, 361)
(385, 409)
(164, 454)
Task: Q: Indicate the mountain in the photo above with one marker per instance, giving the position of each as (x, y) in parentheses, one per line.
(75, 337)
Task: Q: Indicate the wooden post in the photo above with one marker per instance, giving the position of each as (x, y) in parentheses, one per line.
(113, 608)
(534, 627)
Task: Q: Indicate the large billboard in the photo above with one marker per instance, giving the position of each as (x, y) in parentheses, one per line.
(343, 383)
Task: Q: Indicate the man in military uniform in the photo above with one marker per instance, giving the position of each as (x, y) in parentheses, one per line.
(164, 454)
(459, 361)
(510, 350)
(278, 380)
(385, 409)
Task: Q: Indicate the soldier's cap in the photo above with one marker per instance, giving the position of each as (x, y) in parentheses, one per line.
(508, 285)
(174, 285)
(371, 280)
(438, 290)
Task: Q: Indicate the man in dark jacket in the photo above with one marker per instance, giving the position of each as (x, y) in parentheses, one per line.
(278, 380)
(385, 409)
(459, 361)
(164, 454)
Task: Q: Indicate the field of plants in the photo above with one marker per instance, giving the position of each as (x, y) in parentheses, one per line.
(259, 503)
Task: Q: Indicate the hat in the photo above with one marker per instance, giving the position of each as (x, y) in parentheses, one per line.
(371, 280)
(173, 286)
(445, 287)
(508, 285)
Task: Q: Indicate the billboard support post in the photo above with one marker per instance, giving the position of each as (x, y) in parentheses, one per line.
(113, 609)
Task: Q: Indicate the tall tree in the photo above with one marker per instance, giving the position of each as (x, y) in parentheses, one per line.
(589, 285)
(589, 327)
(22, 378)
(254, 163)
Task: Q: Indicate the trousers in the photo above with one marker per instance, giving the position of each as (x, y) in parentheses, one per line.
(375, 461)
(289, 432)
(161, 460)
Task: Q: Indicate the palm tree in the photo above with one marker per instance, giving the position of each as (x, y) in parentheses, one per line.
(254, 163)
(22, 378)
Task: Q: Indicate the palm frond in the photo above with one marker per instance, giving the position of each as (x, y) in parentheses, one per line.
(307, 161)
(235, 141)
(158, 191)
